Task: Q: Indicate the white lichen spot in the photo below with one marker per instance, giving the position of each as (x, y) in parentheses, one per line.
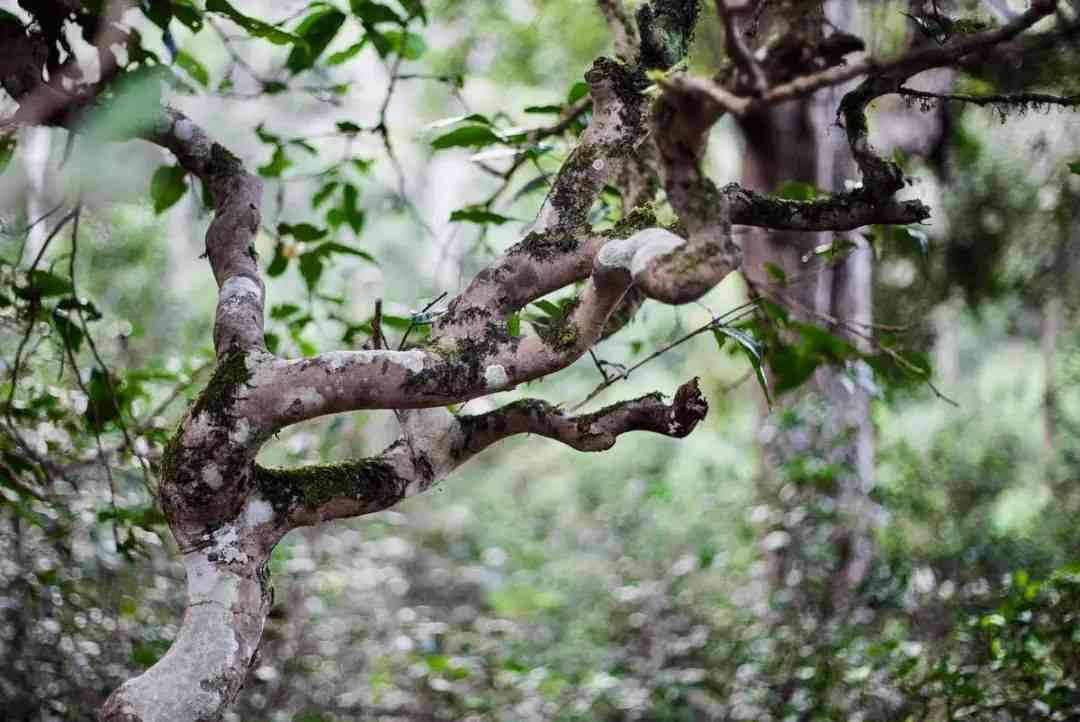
(654, 242)
(495, 376)
(184, 130)
(339, 360)
(257, 512)
(240, 433)
(634, 253)
(598, 164)
(211, 476)
(413, 361)
(239, 286)
(207, 583)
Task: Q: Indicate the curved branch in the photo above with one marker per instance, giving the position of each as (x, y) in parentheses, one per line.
(435, 443)
(230, 239)
(596, 431)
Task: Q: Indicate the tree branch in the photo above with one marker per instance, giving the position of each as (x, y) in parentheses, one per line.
(435, 443)
(624, 35)
(902, 67)
(1018, 99)
(230, 239)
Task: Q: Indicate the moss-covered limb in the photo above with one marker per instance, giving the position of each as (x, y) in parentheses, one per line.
(882, 178)
(219, 397)
(360, 486)
(839, 212)
(595, 431)
(667, 29)
(1020, 102)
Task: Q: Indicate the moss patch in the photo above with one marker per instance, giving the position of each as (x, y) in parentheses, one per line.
(542, 245)
(219, 396)
(372, 482)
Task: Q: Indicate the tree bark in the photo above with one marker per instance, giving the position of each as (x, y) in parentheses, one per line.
(799, 141)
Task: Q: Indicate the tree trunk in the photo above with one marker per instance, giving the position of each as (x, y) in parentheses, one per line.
(798, 141)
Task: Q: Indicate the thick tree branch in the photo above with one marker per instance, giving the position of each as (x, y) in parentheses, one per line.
(435, 443)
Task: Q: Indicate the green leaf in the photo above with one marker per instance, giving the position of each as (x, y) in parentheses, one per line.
(577, 91)
(415, 8)
(345, 126)
(477, 214)
(277, 165)
(795, 191)
(350, 213)
(279, 263)
(255, 27)
(1074, 167)
(281, 311)
(371, 13)
(318, 30)
(193, 68)
(472, 136)
(45, 283)
(301, 231)
(167, 187)
(188, 14)
(408, 45)
(134, 106)
(70, 332)
(7, 152)
(753, 353)
(347, 54)
(776, 273)
(311, 268)
(548, 307)
(833, 252)
(544, 109)
(332, 247)
(513, 325)
(476, 118)
(323, 193)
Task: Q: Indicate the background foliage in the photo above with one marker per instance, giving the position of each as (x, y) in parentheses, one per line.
(539, 584)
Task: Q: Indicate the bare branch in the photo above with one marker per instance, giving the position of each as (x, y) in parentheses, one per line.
(624, 35)
(230, 239)
(740, 54)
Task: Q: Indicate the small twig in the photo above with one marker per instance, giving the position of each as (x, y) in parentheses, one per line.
(599, 365)
(377, 337)
(412, 323)
(732, 315)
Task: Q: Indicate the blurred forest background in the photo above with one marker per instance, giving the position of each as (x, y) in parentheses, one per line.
(540, 583)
